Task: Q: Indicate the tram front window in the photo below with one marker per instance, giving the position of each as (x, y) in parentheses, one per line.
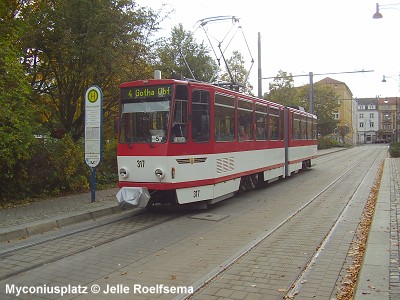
(144, 119)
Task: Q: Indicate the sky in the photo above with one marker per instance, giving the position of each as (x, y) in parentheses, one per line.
(299, 37)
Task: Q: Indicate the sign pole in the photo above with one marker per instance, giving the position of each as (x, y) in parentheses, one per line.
(92, 184)
(93, 133)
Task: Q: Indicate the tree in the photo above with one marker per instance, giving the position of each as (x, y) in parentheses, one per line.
(180, 56)
(342, 130)
(73, 44)
(16, 121)
(325, 105)
(238, 72)
(282, 91)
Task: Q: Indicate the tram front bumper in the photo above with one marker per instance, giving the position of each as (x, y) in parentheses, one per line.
(133, 197)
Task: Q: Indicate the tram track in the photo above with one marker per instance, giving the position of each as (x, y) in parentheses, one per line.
(295, 284)
(157, 253)
(53, 249)
(127, 226)
(298, 282)
(333, 155)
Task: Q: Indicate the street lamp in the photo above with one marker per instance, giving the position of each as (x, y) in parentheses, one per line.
(378, 15)
(398, 81)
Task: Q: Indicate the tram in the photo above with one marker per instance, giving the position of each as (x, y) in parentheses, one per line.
(186, 141)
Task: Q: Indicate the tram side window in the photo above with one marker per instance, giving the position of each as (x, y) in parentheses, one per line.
(180, 118)
(261, 122)
(200, 116)
(282, 124)
(303, 127)
(314, 129)
(296, 127)
(273, 124)
(309, 128)
(245, 120)
(224, 116)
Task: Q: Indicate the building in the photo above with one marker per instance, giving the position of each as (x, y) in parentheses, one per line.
(389, 119)
(368, 121)
(347, 112)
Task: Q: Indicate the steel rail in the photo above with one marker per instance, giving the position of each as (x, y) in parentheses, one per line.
(216, 272)
(298, 283)
(81, 249)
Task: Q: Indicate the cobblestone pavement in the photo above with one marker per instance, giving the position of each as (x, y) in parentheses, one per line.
(53, 207)
(380, 272)
(386, 235)
(47, 214)
(394, 270)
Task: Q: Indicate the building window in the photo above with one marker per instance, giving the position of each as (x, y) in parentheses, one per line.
(361, 124)
(387, 127)
(336, 116)
(371, 116)
(361, 116)
(371, 124)
(386, 117)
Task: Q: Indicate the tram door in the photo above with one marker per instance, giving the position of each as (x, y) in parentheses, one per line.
(179, 129)
(200, 116)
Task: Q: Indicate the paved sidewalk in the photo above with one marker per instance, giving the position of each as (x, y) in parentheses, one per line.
(380, 272)
(50, 214)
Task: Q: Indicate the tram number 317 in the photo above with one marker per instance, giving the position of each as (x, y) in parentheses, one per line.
(196, 193)
(140, 163)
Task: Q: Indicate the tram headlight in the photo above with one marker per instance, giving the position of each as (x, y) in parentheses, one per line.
(159, 173)
(123, 173)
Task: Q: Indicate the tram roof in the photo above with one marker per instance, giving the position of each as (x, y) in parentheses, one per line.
(209, 85)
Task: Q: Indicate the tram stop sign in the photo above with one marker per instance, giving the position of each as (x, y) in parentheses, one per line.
(93, 126)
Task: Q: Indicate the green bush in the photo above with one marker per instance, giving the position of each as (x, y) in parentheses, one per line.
(327, 142)
(57, 167)
(106, 173)
(394, 149)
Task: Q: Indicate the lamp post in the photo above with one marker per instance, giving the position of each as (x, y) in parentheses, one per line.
(378, 15)
(398, 81)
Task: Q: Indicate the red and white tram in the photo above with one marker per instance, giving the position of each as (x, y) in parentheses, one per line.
(191, 141)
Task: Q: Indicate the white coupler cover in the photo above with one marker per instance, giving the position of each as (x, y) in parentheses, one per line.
(133, 197)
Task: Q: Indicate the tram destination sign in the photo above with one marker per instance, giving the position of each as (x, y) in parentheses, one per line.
(146, 91)
(93, 126)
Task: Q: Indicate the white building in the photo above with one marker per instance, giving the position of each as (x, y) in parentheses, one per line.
(367, 120)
